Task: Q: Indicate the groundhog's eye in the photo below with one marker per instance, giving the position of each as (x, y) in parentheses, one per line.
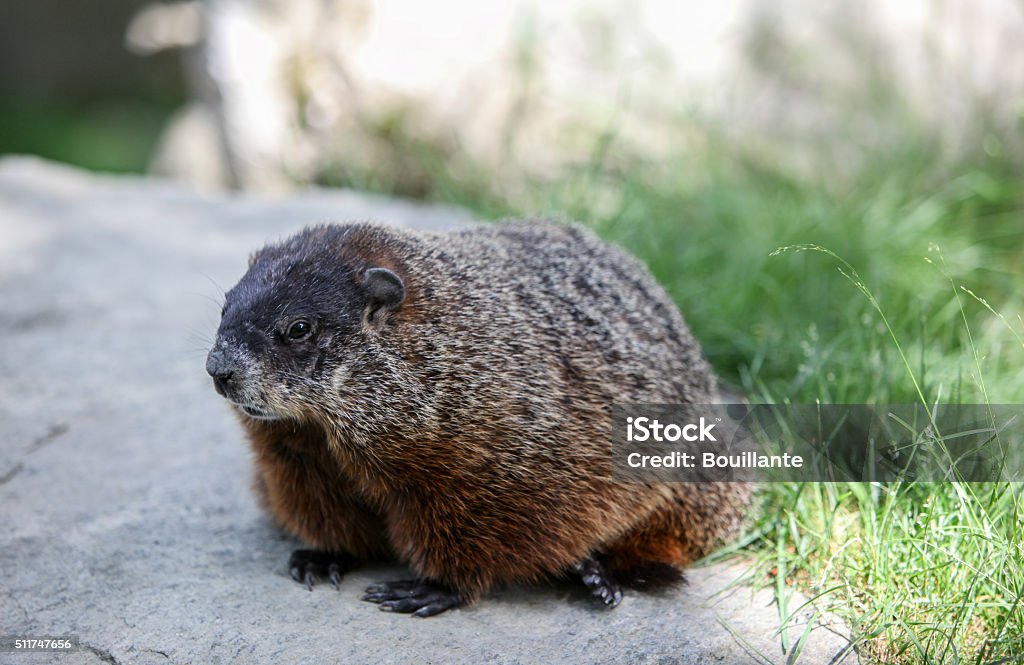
(299, 329)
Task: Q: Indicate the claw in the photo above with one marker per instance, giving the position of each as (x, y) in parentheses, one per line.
(305, 566)
(334, 575)
(418, 598)
(601, 585)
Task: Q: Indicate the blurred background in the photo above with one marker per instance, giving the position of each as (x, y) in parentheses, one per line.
(831, 190)
(401, 96)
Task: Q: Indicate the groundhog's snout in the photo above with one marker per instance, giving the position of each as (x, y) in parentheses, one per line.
(223, 370)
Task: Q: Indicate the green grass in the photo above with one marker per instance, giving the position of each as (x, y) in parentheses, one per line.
(918, 297)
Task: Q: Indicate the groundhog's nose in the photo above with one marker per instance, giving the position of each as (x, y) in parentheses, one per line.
(221, 369)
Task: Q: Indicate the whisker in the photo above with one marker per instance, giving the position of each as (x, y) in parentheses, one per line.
(211, 280)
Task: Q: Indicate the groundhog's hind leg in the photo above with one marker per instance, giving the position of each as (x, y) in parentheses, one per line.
(651, 556)
(699, 517)
(306, 565)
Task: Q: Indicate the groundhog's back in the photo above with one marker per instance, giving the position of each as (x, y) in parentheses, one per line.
(556, 308)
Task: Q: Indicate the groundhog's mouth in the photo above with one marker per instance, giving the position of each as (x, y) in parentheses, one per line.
(256, 412)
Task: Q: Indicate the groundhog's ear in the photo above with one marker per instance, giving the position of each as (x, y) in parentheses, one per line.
(384, 291)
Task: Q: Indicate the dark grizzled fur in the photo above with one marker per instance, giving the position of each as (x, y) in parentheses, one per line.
(458, 420)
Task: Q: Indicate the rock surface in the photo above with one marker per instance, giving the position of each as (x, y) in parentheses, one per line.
(124, 480)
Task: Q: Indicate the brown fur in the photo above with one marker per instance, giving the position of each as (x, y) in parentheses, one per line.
(466, 432)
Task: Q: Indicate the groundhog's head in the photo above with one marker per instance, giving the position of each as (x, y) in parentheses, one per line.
(304, 307)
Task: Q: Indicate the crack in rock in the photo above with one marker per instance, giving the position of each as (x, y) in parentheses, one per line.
(7, 477)
(102, 654)
(156, 651)
(52, 434)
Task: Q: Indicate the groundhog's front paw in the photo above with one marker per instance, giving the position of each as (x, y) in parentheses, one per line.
(307, 565)
(597, 580)
(421, 598)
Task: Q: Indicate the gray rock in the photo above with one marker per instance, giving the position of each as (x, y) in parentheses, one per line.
(124, 481)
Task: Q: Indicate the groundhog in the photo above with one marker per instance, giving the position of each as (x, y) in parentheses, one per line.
(445, 399)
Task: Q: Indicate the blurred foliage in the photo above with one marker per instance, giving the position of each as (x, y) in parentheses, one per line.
(116, 135)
